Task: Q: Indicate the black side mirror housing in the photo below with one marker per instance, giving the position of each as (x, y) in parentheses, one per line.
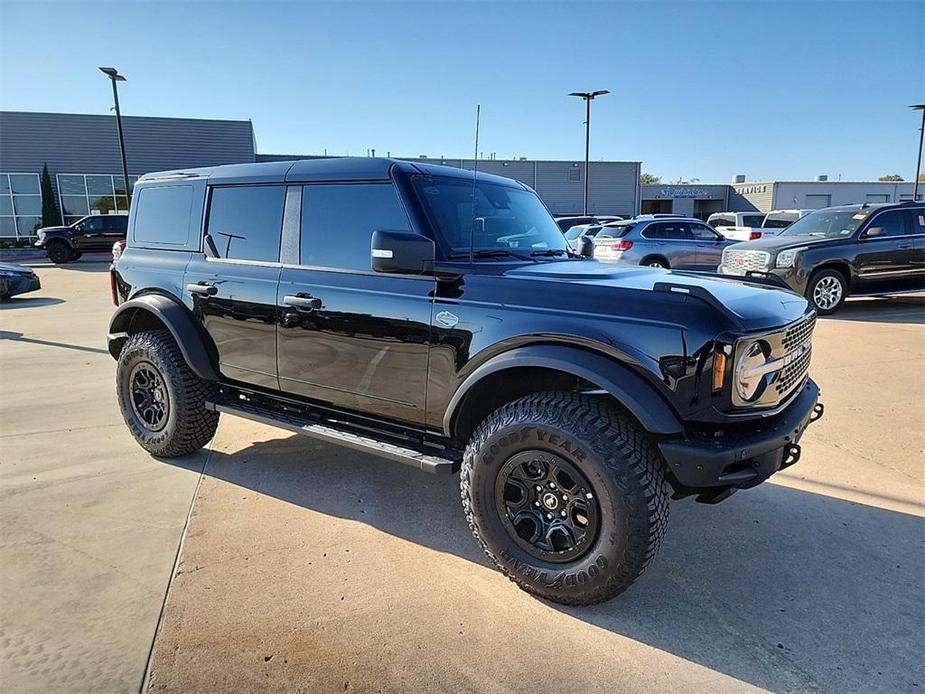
(585, 246)
(401, 251)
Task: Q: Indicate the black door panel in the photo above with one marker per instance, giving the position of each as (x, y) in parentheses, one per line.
(355, 340)
(886, 261)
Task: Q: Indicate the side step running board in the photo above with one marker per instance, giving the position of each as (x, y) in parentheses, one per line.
(408, 456)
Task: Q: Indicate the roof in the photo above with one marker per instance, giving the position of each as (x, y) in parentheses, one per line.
(309, 170)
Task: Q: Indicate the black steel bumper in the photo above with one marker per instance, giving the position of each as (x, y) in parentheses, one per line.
(744, 456)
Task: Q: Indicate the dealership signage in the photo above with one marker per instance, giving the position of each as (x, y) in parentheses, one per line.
(683, 192)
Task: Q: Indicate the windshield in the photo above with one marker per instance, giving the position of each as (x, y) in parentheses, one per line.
(499, 217)
(831, 223)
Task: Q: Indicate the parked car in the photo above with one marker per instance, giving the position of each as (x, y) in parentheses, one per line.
(17, 279)
(836, 252)
(680, 243)
(573, 235)
(781, 219)
(737, 226)
(567, 222)
(94, 233)
(573, 397)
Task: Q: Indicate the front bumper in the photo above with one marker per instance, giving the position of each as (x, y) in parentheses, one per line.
(745, 455)
(19, 284)
(791, 278)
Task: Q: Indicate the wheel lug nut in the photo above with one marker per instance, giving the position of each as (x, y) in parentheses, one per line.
(539, 488)
(564, 497)
(549, 516)
(536, 503)
(552, 485)
(563, 514)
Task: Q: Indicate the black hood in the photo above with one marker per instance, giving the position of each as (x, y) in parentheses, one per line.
(47, 229)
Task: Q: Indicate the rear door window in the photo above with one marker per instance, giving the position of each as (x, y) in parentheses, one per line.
(245, 222)
(701, 232)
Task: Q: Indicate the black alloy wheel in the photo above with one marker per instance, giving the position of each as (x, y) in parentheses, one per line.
(547, 506)
(59, 252)
(149, 397)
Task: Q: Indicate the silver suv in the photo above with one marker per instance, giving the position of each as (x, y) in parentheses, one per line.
(676, 242)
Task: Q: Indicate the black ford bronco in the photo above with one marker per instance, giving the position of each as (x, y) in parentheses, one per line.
(437, 317)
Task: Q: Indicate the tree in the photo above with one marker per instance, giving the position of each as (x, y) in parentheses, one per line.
(50, 215)
(891, 177)
(921, 178)
(649, 179)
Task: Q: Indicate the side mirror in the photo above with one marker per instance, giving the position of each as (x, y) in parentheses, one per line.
(873, 231)
(586, 246)
(401, 251)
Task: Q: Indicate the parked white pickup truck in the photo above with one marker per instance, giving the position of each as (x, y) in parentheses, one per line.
(737, 226)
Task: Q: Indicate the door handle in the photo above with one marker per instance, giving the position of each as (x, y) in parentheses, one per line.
(202, 288)
(304, 302)
(905, 245)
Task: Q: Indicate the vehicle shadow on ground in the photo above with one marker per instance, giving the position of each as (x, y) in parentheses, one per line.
(100, 264)
(785, 589)
(17, 302)
(19, 337)
(898, 309)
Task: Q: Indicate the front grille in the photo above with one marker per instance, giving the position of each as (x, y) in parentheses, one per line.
(746, 260)
(795, 337)
(792, 374)
(799, 333)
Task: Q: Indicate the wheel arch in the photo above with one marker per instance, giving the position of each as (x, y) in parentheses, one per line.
(157, 312)
(538, 368)
(655, 256)
(842, 266)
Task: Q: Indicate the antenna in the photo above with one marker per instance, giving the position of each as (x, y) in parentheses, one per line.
(475, 172)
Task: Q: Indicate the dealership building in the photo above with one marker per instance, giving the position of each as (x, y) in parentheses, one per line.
(82, 155)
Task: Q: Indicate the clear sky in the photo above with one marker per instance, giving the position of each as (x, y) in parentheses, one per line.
(700, 89)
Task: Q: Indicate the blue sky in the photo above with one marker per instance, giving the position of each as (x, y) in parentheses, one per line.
(700, 89)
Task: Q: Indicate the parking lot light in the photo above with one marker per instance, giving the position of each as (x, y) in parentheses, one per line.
(588, 97)
(114, 76)
(918, 163)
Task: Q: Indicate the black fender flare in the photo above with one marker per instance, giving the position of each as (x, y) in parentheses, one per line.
(63, 238)
(638, 397)
(176, 318)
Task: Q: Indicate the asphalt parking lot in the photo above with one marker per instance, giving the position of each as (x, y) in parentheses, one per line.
(296, 566)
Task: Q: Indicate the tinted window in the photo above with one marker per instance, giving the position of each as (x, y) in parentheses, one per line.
(674, 231)
(338, 222)
(752, 220)
(610, 232)
(162, 214)
(722, 222)
(776, 223)
(115, 222)
(916, 219)
(92, 224)
(245, 222)
(892, 223)
(702, 232)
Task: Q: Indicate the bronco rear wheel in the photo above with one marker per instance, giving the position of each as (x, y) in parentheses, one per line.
(162, 400)
(566, 496)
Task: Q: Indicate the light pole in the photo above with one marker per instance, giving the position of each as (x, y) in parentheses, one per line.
(114, 75)
(588, 97)
(918, 163)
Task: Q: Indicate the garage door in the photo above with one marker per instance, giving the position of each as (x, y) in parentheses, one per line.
(817, 202)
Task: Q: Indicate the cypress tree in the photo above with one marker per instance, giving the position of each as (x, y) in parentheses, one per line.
(50, 214)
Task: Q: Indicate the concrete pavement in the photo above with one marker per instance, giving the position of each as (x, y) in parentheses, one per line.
(309, 568)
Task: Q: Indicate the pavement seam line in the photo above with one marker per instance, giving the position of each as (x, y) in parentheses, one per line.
(145, 679)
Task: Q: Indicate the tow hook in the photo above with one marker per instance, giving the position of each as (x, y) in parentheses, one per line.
(818, 410)
(791, 456)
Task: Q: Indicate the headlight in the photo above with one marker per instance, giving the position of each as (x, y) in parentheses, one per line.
(751, 370)
(786, 258)
(41, 236)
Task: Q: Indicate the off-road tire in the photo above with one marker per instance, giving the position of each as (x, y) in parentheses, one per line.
(59, 252)
(826, 275)
(617, 458)
(189, 424)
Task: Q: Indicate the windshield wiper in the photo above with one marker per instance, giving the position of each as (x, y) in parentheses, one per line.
(492, 253)
(549, 252)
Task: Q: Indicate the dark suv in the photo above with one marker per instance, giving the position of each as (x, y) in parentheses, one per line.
(836, 252)
(435, 317)
(93, 233)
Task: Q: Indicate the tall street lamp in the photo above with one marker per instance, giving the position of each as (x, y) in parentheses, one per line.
(588, 97)
(114, 75)
(918, 163)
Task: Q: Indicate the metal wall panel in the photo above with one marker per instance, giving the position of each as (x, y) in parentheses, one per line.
(76, 143)
(752, 197)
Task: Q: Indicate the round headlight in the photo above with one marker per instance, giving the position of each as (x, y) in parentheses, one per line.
(749, 376)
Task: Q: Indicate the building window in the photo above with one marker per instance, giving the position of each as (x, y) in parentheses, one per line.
(83, 194)
(20, 205)
(574, 174)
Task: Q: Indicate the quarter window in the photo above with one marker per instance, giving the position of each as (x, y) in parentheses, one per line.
(162, 215)
(338, 221)
(245, 222)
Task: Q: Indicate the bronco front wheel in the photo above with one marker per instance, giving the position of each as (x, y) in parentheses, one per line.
(566, 496)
